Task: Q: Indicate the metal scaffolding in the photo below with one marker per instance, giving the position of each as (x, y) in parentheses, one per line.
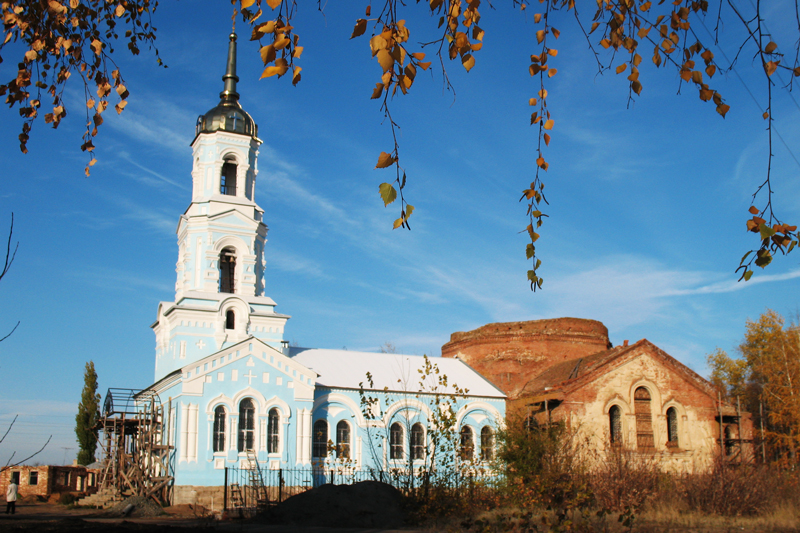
(135, 445)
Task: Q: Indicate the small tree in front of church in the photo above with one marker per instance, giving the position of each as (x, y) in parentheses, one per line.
(87, 417)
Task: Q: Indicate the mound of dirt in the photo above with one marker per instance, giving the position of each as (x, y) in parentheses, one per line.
(368, 504)
(142, 507)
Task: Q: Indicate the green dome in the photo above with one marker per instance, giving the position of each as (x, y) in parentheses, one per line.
(228, 115)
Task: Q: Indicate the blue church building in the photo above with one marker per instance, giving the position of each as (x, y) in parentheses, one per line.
(237, 395)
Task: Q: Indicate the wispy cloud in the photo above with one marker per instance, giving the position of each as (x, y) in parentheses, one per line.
(163, 179)
(287, 261)
(120, 280)
(731, 285)
(153, 120)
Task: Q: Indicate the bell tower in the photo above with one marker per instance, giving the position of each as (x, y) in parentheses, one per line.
(219, 291)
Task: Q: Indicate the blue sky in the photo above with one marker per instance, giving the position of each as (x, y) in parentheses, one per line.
(645, 230)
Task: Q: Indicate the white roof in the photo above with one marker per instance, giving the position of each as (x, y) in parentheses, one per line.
(345, 369)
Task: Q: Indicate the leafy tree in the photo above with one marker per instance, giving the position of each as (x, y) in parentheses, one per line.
(61, 38)
(768, 374)
(87, 417)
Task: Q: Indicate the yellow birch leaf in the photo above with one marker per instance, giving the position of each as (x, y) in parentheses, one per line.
(771, 67)
(771, 47)
(549, 124)
(270, 71)
(385, 160)
(540, 36)
(424, 66)
(360, 28)
(296, 75)
(621, 68)
(532, 101)
(547, 139)
(121, 10)
(273, 3)
(551, 72)
(397, 223)
(385, 60)
(556, 33)
(267, 54)
(552, 52)
(468, 61)
(537, 18)
(388, 193)
(247, 3)
(377, 91)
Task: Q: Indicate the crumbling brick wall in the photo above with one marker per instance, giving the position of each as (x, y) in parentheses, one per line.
(510, 354)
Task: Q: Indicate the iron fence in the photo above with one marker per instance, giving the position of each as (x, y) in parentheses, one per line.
(249, 489)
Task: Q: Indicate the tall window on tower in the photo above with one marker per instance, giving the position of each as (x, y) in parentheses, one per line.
(228, 178)
(227, 270)
(230, 319)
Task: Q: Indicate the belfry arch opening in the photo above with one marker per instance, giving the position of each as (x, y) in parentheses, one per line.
(228, 177)
(227, 270)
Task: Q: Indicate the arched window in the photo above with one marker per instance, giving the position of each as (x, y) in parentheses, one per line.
(729, 444)
(672, 427)
(396, 441)
(644, 419)
(319, 441)
(230, 319)
(343, 440)
(467, 450)
(227, 270)
(487, 444)
(417, 441)
(219, 429)
(273, 434)
(247, 425)
(228, 178)
(615, 424)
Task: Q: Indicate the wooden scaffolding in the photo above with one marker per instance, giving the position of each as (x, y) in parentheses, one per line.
(135, 445)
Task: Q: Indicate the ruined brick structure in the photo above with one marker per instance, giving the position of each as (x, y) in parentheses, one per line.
(47, 480)
(632, 397)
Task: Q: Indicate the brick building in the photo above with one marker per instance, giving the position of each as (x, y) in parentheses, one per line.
(635, 396)
(47, 480)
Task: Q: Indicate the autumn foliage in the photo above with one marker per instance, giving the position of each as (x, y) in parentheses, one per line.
(62, 38)
(766, 378)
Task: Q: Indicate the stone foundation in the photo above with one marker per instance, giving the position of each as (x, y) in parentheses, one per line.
(212, 498)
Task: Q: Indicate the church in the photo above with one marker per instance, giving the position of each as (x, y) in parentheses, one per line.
(236, 394)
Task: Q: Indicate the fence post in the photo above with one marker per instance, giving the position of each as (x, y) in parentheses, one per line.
(280, 485)
(225, 494)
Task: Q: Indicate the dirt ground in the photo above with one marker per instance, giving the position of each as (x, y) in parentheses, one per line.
(48, 517)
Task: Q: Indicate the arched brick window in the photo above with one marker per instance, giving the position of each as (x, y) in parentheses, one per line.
(615, 424)
(273, 431)
(343, 440)
(644, 419)
(672, 427)
(319, 441)
(396, 441)
(219, 429)
(247, 425)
